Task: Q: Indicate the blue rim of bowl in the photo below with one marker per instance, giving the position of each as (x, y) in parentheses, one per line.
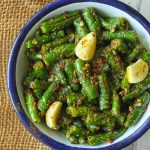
(11, 75)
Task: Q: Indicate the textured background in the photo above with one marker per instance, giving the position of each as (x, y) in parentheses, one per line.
(13, 15)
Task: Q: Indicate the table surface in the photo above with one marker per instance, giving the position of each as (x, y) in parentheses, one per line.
(13, 15)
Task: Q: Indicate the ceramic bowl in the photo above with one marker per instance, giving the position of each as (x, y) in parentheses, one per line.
(18, 64)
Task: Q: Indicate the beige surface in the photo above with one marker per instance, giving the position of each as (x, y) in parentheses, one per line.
(13, 15)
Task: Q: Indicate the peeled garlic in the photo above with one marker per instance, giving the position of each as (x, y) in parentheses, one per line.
(85, 49)
(52, 114)
(137, 72)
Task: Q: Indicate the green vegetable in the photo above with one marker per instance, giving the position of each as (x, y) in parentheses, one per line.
(81, 140)
(75, 131)
(104, 98)
(80, 28)
(39, 71)
(125, 85)
(91, 19)
(47, 97)
(39, 84)
(71, 75)
(46, 28)
(115, 81)
(138, 89)
(75, 99)
(114, 61)
(73, 139)
(105, 137)
(59, 18)
(134, 53)
(34, 56)
(134, 116)
(48, 46)
(92, 128)
(84, 78)
(116, 104)
(129, 36)
(113, 23)
(59, 72)
(31, 106)
(39, 40)
(80, 111)
(59, 52)
(119, 46)
(38, 93)
(100, 119)
(145, 55)
(62, 96)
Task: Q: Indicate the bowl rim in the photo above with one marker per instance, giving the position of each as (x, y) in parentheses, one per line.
(11, 75)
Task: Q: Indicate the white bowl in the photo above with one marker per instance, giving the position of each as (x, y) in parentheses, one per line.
(18, 64)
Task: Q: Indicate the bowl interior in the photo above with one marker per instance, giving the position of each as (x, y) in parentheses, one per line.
(22, 64)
